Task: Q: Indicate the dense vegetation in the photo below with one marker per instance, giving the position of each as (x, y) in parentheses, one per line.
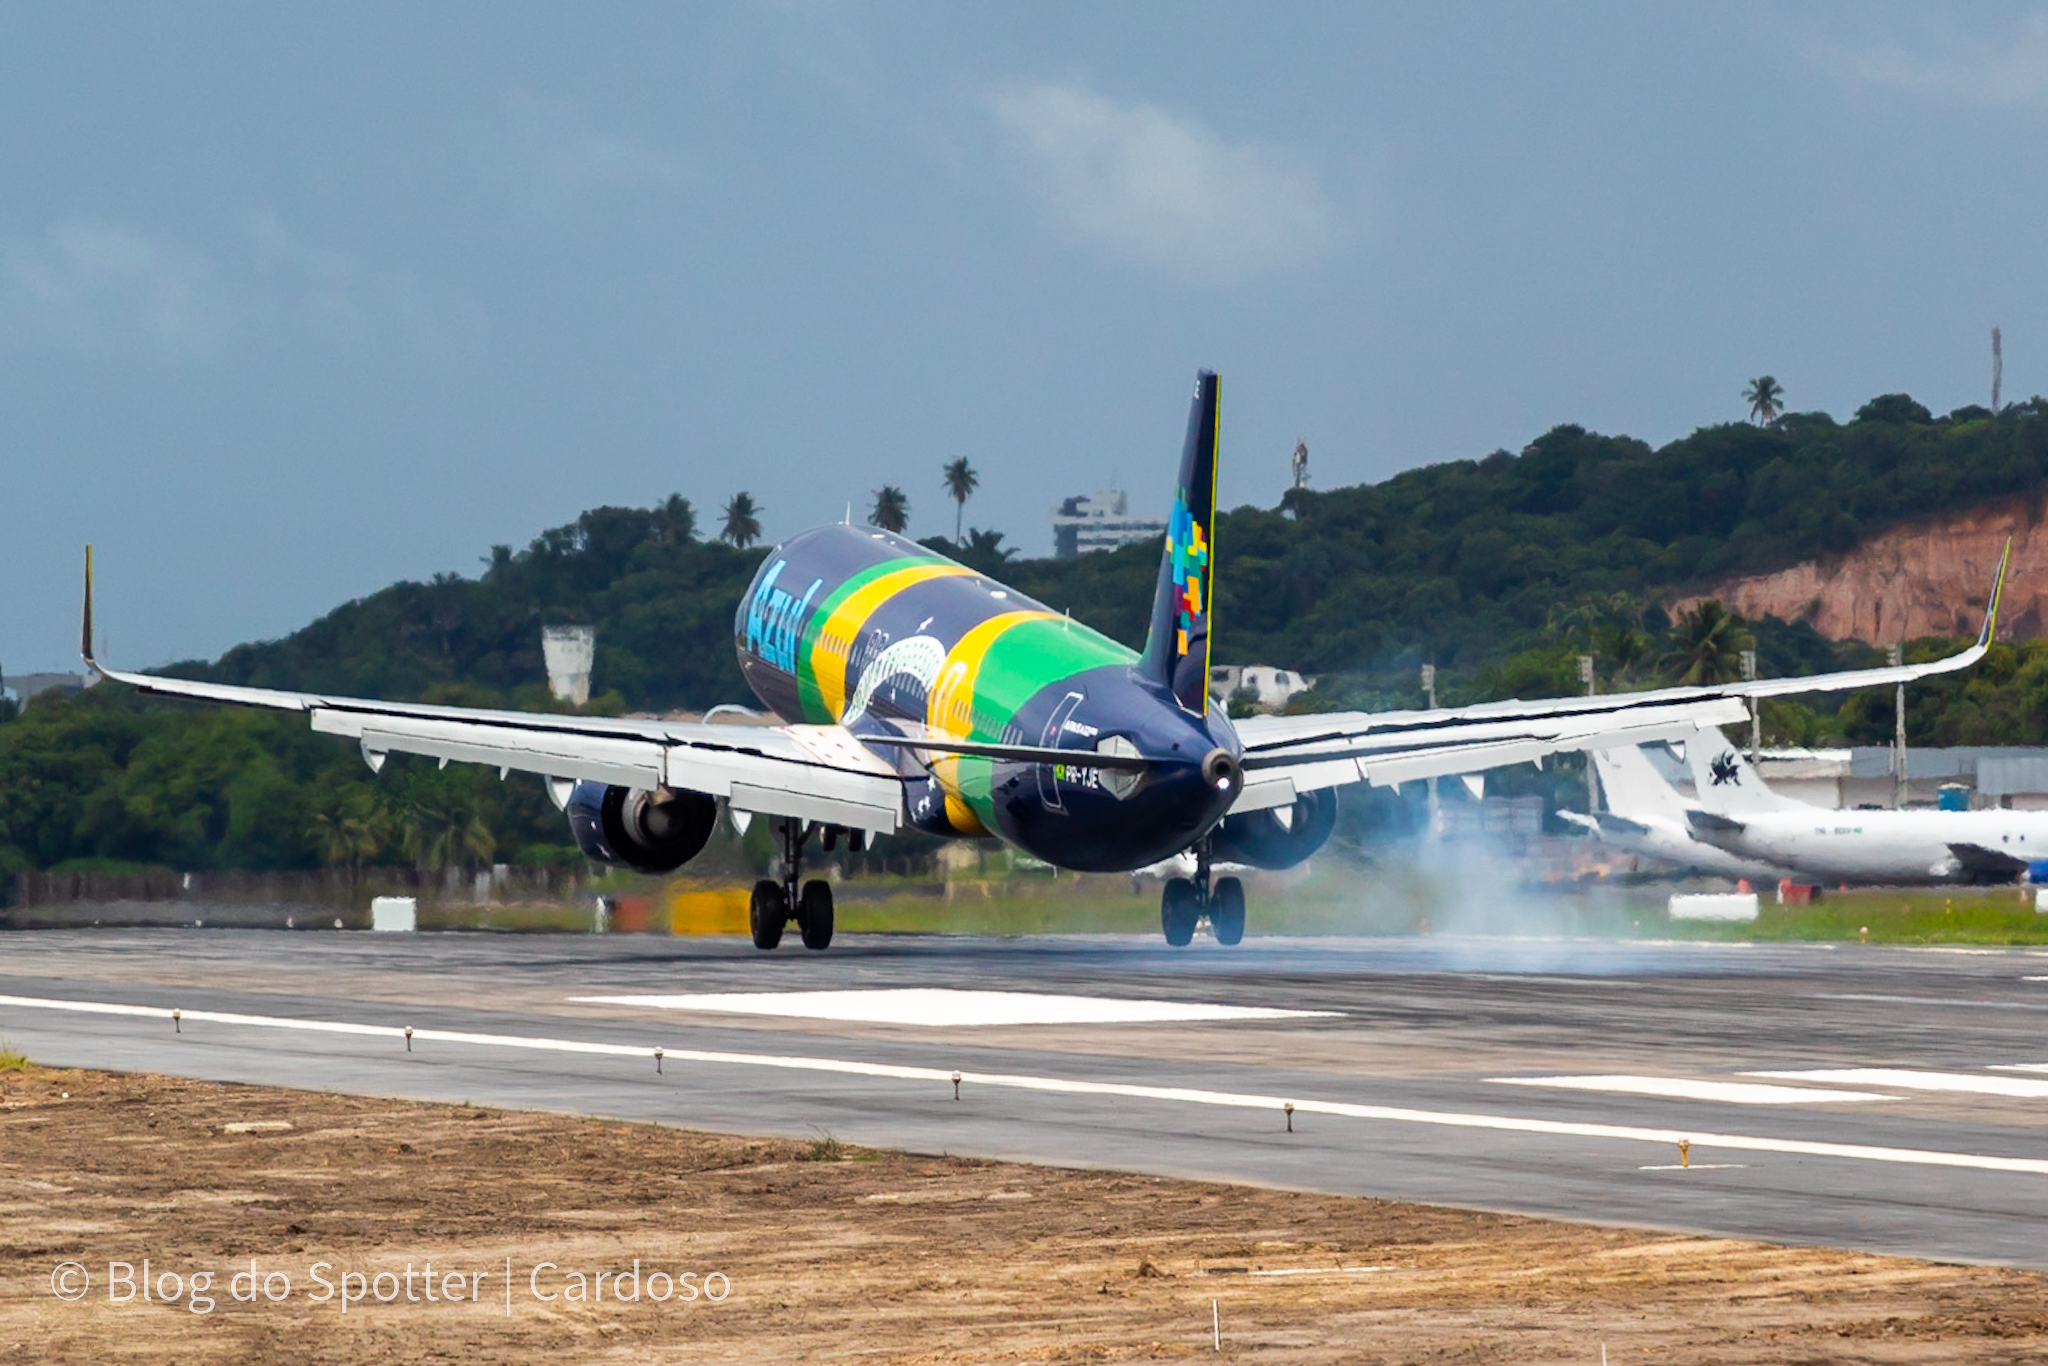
(1501, 570)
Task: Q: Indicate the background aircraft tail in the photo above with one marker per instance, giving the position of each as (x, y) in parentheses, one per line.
(1634, 787)
(1726, 782)
(1177, 646)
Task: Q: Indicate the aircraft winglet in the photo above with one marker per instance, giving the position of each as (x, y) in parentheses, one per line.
(1997, 592)
(85, 628)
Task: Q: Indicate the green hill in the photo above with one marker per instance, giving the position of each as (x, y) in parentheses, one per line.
(1463, 562)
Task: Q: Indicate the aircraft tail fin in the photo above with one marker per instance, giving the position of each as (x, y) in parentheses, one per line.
(1633, 785)
(1726, 783)
(1177, 646)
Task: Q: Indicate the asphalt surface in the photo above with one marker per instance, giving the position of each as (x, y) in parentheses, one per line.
(1399, 1091)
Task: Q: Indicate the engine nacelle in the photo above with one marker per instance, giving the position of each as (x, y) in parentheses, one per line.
(649, 832)
(1278, 837)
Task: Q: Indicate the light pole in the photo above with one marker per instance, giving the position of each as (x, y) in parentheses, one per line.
(1592, 779)
(1895, 655)
(1756, 725)
(1429, 691)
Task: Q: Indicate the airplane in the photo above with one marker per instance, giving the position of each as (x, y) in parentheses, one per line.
(1646, 816)
(918, 694)
(1736, 812)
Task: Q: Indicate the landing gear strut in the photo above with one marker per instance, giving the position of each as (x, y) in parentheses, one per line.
(1184, 901)
(809, 904)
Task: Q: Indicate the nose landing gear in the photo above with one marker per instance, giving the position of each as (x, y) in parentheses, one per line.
(809, 904)
(1184, 901)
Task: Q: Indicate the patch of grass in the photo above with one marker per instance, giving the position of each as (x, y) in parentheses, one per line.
(824, 1148)
(12, 1059)
(1959, 915)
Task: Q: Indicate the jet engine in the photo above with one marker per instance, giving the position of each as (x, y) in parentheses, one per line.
(1278, 837)
(649, 832)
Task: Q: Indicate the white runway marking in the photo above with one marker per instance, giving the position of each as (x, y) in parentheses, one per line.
(1389, 1114)
(1927, 1000)
(1904, 1080)
(1686, 1088)
(1693, 1167)
(943, 1007)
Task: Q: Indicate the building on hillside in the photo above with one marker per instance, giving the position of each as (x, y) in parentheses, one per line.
(1098, 521)
(1270, 689)
(27, 686)
(569, 652)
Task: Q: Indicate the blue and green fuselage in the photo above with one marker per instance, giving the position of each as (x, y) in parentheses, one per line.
(863, 628)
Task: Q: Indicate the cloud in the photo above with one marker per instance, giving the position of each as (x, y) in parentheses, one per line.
(592, 159)
(571, 156)
(95, 285)
(1161, 188)
(1953, 66)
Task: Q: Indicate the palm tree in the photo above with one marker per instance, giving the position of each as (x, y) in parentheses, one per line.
(742, 521)
(961, 481)
(349, 828)
(1766, 399)
(892, 509)
(1707, 645)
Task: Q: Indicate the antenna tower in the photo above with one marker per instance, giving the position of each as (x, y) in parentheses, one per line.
(1301, 464)
(1997, 366)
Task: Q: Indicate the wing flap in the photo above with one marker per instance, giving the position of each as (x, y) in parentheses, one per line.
(1455, 743)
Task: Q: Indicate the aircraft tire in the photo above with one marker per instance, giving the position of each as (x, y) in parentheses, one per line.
(1226, 910)
(1179, 909)
(767, 913)
(814, 915)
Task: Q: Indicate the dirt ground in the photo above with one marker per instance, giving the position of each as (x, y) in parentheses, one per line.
(828, 1252)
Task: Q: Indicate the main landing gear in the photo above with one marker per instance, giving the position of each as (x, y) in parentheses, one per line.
(809, 904)
(1184, 901)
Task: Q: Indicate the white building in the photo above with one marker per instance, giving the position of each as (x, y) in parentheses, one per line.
(569, 652)
(1098, 521)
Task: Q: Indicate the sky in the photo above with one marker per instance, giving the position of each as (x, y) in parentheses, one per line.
(298, 300)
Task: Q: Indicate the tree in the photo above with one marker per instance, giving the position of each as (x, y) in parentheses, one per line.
(1766, 399)
(348, 828)
(892, 509)
(742, 521)
(961, 481)
(1707, 645)
(1609, 627)
(674, 521)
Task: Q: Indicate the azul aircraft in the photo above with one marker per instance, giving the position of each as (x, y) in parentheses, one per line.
(918, 694)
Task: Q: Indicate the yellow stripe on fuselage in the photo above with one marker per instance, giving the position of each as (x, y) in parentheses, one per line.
(836, 637)
(950, 709)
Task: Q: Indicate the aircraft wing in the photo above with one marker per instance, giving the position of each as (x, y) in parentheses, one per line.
(1987, 865)
(1287, 755)
(818, 773)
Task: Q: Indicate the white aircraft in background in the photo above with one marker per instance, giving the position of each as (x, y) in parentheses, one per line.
(1735, 812)
(1646, 816)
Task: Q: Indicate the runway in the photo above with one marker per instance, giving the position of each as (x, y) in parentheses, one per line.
(1882, 1099)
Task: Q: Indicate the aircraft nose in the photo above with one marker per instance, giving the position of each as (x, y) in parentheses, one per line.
(1221, 771)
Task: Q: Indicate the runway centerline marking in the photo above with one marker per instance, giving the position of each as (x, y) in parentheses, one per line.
(1905, 1080)
(1687, 1088)
(1928, 1001)
(948, 1007)
(1391, 1114)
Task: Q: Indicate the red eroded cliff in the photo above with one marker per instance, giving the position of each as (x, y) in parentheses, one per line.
(1923, 579)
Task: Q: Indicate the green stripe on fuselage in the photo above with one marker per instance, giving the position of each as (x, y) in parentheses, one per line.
(813, 701)
(1022, 663)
